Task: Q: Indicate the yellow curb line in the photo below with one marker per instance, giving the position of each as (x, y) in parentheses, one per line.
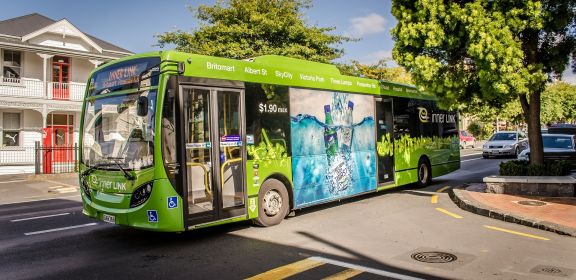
(449, 213)
(434, 199)
(346, 274)
(288, 270)
(442, 189)
(517, 233)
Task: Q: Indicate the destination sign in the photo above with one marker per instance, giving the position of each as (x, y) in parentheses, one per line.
(125, 75)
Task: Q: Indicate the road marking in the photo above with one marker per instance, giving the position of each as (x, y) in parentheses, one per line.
(346, 274)
(60, 183)
(31, 199)
(60, 229)
(13, 181)
(312, 262)
(365, 269)
(288, 270)
(449, 213)
(434, 199)
(475, 154)
(39, 217)
(516, 232)
(63, 189)
(470, 159)
(442, 189)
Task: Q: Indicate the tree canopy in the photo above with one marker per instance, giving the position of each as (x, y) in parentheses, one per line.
(377, 71)
(559, 103)
(243, 29)
(495, 51)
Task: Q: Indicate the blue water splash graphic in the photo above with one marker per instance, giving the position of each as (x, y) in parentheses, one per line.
(318, 176)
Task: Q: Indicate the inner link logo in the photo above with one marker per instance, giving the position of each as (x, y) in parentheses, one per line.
(423, 114)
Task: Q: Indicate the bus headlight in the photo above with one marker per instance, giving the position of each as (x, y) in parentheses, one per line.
(141, 194)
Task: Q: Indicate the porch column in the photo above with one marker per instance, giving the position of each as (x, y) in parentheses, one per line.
(45, 58)
(44, 117)
(96, 62)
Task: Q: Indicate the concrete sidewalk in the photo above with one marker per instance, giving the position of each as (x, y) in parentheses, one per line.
(25, 187)
(556, 214)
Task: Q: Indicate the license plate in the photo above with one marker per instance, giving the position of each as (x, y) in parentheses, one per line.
(109, 218)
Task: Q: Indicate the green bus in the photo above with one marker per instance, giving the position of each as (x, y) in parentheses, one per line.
(172, 141)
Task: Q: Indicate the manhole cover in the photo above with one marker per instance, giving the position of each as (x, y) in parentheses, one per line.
(434, 257)
(532, 203)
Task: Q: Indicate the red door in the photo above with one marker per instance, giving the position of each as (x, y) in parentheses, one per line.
(60, 78)
(57, 146)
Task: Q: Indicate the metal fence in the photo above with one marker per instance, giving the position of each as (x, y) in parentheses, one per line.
(54, 160)
(16, 156)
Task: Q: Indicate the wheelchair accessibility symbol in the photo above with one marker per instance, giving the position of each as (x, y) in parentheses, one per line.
(172, 202)
(152, 216)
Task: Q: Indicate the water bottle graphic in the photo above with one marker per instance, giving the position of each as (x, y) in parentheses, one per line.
(330, 136)
(345, 137)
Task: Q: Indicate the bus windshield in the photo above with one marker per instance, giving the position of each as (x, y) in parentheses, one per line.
(115, 136)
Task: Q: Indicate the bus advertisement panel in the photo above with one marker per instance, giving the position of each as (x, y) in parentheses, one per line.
(333, 145)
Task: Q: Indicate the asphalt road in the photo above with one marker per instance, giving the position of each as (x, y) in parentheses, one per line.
(378, 236)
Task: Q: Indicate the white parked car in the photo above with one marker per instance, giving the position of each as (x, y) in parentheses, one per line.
(505, 143)
(553, 143)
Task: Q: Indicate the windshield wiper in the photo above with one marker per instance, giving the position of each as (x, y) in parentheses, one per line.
(126, 173)
(93, 167)
(113, 161)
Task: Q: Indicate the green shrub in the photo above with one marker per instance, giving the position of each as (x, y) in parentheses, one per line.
(524, 168)
(475, 129)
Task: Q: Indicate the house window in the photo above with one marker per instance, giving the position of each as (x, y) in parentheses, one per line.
(11, 125)
(12, 66)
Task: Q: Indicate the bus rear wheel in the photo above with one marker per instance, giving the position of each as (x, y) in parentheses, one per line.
(273, 203)
(424, 173)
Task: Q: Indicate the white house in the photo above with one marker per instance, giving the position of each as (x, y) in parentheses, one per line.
(44, 66)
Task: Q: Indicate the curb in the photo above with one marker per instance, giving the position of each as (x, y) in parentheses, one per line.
(465, 203)
(52, 176)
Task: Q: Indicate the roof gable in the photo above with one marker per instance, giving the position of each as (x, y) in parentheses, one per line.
(34, 25)
(64, 28)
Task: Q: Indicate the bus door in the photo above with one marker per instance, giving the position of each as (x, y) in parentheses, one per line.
(213, 134)
(385, 140)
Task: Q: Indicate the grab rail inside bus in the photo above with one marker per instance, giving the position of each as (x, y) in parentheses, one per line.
(224, 165)
(179, 64)
(206, 180)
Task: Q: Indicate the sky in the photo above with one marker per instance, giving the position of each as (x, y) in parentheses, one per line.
(132, 24)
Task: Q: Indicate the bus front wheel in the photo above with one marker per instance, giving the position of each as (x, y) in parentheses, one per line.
(273, 203)
(424, 172)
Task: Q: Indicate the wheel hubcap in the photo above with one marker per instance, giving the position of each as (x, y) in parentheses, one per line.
(423, 172)
(272, 203)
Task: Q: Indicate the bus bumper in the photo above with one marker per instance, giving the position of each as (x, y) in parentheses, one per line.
(161, 212)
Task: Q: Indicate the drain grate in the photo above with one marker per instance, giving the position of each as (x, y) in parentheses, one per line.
(552, 271)
(532, 203)
(434, 257)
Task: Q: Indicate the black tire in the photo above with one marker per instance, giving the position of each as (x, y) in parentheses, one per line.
(424, 172)
(516, 152)
(485, 156)
(273, 203)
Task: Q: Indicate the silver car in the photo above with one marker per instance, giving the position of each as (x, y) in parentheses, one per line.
(553, 143)
(505, 143)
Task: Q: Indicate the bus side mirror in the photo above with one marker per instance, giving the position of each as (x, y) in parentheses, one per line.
(142, 106)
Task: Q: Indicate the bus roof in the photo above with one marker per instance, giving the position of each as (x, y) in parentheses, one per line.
(280, 70)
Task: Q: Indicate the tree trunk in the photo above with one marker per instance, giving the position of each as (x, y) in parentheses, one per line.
(532, 115)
